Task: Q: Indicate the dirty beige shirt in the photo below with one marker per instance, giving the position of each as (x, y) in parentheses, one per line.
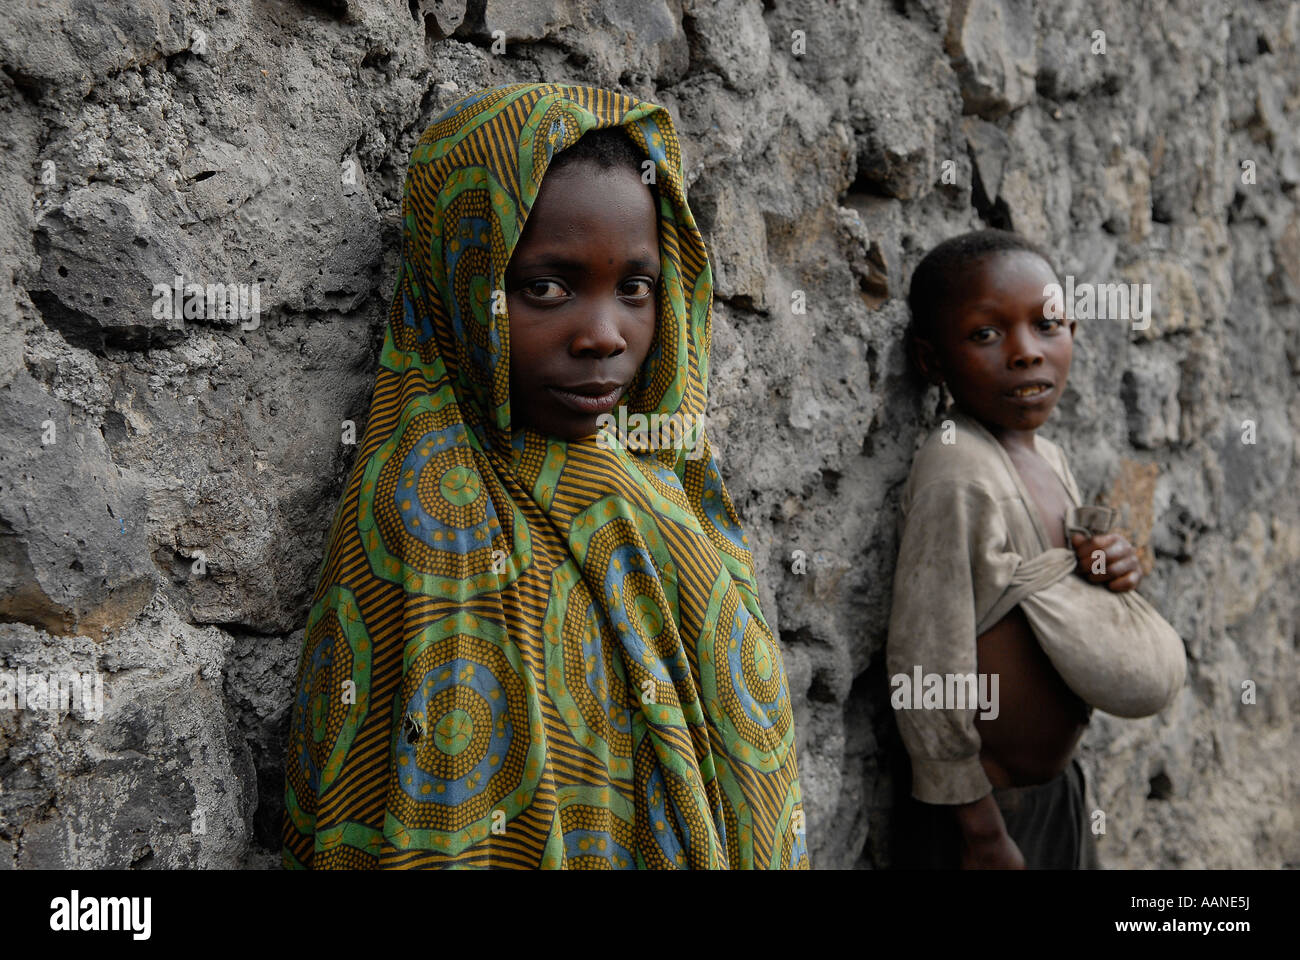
(974, 546)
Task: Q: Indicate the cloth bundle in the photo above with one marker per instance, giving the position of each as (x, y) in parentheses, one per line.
(1112, 649)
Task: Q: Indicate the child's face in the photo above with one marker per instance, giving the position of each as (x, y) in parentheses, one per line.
(580, 288)
(993, 342)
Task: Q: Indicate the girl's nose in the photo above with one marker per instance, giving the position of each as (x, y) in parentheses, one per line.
(599, 336)
(1023, 349)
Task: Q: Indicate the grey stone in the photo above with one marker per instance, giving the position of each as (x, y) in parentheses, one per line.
(1150, 391)
(730, 38)
(989, 149)
(733, 228)
(442, 17)
(995, 53)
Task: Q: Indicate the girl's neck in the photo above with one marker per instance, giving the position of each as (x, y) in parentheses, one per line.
(1012, 440)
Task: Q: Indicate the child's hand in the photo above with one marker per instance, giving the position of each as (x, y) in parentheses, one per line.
(997, 853)
(985, 843)
(1107, 558)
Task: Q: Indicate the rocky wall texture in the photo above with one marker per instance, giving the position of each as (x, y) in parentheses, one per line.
(166, 485)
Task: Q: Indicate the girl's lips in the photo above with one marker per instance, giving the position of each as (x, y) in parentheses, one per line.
(586, 403)
(1031, 394)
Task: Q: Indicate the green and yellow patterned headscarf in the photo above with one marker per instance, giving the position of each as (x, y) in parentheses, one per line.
(523, 652)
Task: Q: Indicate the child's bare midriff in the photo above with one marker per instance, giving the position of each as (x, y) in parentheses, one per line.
(1040, 719)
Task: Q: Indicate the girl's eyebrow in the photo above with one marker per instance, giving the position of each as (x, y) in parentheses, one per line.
(548, 261)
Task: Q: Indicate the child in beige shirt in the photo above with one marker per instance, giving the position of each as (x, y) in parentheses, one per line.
(1015, 611)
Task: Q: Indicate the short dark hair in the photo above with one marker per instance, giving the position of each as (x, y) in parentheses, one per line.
(937, 279)
(608, 147)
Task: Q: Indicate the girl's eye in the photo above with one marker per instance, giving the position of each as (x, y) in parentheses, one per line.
(638, 288)
(1050, 323)
(983, 335)
(545, 290)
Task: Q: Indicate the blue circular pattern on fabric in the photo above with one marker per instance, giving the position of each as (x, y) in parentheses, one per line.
(753, 709)
(631, 558)
(654, 139)
(485, 684)
(454, 539)
(656, 797)
(712, 503)
(553, 136)
(422, 325)
(592, 646)
(472, 233)
(800, 847)
(320, 665)
(573, 841)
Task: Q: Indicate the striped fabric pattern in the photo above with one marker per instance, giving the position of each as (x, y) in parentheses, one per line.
(521, 652)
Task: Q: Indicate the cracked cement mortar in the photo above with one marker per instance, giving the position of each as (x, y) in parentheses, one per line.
(168, 533)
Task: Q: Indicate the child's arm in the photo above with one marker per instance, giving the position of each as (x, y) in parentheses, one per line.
(949, 565)
(942, 577)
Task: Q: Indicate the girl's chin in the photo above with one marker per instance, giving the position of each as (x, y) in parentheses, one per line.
(1020, 418)
(567, 432)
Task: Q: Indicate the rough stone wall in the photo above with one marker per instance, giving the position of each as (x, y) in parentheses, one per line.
(166, 485)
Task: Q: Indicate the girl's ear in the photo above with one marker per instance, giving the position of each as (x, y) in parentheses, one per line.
(926, 358)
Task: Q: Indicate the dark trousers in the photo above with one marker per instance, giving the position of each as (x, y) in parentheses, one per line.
(1049, 823)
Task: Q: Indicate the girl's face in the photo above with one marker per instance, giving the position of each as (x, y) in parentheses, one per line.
(1003, 360)
(580, 288)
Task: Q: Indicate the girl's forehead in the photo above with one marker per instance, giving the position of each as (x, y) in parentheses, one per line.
(1004, 265)
(1009, 281)
(1004, 275)
(590, 199)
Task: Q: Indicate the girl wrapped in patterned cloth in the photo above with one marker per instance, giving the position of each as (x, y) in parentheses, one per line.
(533, 643)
